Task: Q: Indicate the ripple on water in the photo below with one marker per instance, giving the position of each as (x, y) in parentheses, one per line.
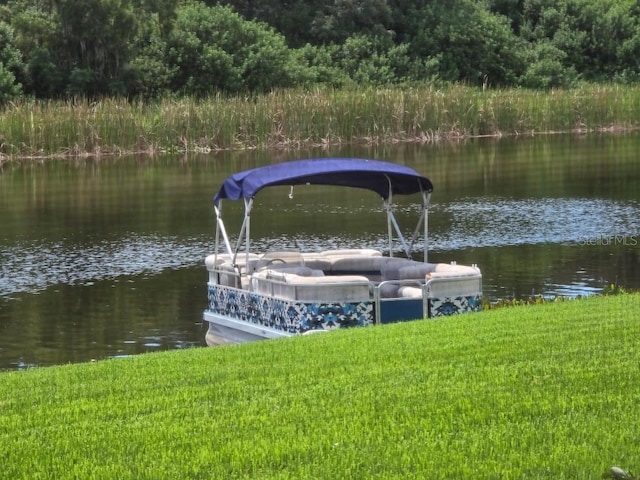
(489, 222)
(30, 267)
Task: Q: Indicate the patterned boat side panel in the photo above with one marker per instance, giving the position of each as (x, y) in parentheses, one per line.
(287, 315)
(441, 307)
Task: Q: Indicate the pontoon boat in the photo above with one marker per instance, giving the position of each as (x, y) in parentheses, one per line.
(260, 295)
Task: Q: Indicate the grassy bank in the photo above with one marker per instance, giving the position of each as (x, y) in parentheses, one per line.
(546, 391)
(326, 117)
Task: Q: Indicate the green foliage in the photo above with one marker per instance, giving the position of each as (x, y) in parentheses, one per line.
(614, 289)
(39, 37)
(607, 25)
(337, 20)
(80, 82)
(592, 40)
(546, 68)
(469, 43)
(373, 60)
(98, 35)
(10, 65)
(47, 79)
(608, 290)
(10, 56)
(320, 67)
(148, 74)
(214, 49)
(545, 391)
(9, 89)
(159, 47)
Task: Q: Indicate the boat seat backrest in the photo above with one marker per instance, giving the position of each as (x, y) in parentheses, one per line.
(403, 269)
(416, 270)
(318, 263)
(359, 265)
(410, 292)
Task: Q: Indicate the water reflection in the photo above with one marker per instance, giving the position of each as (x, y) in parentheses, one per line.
(115, 317)
(103, 258)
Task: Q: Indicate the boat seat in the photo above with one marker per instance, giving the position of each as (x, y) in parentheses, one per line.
(389, 290)
(409, 292)
(313, 287)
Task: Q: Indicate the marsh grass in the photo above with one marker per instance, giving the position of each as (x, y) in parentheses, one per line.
(296, 119)
(544, 391)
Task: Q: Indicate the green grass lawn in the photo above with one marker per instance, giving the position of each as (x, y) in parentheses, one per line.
(546, 391)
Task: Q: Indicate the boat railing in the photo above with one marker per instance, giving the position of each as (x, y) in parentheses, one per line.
(344, 276)
(398, 290)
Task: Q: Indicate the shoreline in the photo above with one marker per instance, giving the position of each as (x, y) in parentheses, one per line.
(287, 146)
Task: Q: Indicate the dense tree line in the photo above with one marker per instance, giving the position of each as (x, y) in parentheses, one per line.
(150, 48)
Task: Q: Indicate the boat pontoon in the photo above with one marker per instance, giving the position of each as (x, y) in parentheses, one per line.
(253, 295)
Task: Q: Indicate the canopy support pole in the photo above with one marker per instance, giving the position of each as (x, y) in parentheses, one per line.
(396, 227)
(392, 225)
(387, 205)
(424, 217)
(220, 229)
(426, 198)
(244, 230)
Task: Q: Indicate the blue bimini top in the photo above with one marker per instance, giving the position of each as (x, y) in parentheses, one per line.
(384, 178)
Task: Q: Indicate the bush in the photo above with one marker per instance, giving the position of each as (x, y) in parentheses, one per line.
(10, 65)
(9, 89)
(546, 68)
(214, 49)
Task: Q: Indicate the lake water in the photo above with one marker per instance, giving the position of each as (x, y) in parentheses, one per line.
(103, 258)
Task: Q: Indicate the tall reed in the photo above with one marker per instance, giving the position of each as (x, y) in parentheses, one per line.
(300, 118)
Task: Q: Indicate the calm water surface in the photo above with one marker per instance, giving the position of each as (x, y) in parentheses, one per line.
(104, 258)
